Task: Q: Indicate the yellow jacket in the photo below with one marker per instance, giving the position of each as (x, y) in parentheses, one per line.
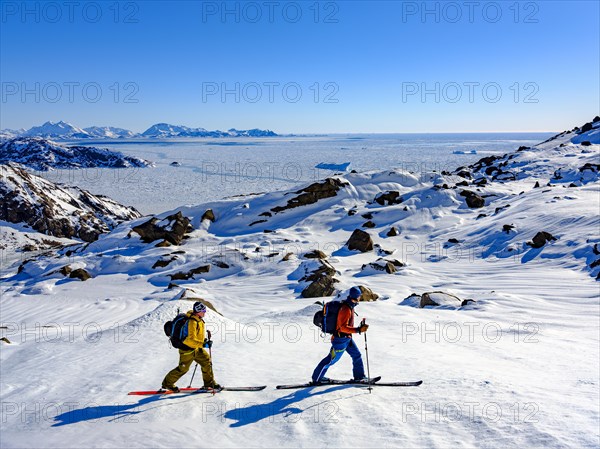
(195, 337)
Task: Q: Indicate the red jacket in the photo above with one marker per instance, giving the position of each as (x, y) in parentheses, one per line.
(345, 322)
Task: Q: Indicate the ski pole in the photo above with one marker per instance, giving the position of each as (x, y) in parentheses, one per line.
(193, 374)
(367, 355)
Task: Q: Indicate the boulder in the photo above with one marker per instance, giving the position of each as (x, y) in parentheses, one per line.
(190, 274)
(393, 232)
(171, 229)
(321, 281)
(361, 241)
(540, 239)
(507, 228)
(208, 215)
(383, 265)
(369, 224)
(161, 263)
(81, 274)
(436, 299)
(367, 294)
(319, 288)
(390, 198)
(587, 127)
(313, 193)
(474, 201)
(315, 254)
(586, 143)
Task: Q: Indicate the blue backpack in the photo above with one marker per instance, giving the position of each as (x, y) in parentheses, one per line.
(177, 331)
(326, 318)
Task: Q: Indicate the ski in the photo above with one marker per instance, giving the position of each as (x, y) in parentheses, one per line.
(374, 383)
(399, 384)
(330, 382)
(195, 390)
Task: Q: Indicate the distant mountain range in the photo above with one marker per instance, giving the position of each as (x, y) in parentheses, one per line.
(66, 131)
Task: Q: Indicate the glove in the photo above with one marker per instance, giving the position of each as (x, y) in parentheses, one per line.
(207, 343)
(363, 328)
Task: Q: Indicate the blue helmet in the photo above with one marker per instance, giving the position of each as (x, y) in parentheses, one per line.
(355, 293)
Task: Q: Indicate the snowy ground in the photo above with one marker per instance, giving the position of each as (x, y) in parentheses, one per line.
(519, 367)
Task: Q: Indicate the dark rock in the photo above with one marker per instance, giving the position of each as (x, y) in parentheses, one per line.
(268, 231)
(5, 340)
(481, 216)
(367, 294)
(501, 208)
(490, 170)
(507, 228)
(453, 240)
(369, 224)
(474, 201)
(161, 263)
(273, 254)
(220, 264)
(589, 166)
(321, 281)
(390, 198)
(464, 174)
(265, 214)
(208, 215)
(313, 193)
(81, 274)
(587, 127)
(190, 274)
(381, 265)
(537, 185)
(325, 269)
(595, 263)
(172, 229)
(323, 286)
(573, 185)
(466, 302)
(257, 222)
(596, 119)
(446, 298)
(523, 148)
(393, 232)
(162, 244)
(368, 215)
(586, 143)
(596, 250)
(540, 239)
(315, 254)
(66, 270)
(462, 184)
(480, 182)
(360, 240)
(505, 176)
(352, 212)
(287, 257)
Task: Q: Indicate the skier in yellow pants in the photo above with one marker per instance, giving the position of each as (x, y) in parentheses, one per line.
(195, 343)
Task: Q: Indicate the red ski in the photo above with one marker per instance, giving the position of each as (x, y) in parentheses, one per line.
(195, 390)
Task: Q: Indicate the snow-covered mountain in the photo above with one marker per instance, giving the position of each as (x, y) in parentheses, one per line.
(509, 356)
(109, 132)
(66, 131)
(163, 130)
(57, 210)
(58, 130)
(41, 154)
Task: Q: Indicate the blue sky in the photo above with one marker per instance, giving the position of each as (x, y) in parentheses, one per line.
(302, 67)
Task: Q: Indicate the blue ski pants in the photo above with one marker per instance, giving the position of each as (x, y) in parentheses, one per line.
(339, 345)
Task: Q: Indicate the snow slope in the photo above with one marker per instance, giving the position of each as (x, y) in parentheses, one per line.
(517, 367)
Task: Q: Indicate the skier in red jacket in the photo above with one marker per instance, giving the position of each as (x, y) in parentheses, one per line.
(341, 341)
